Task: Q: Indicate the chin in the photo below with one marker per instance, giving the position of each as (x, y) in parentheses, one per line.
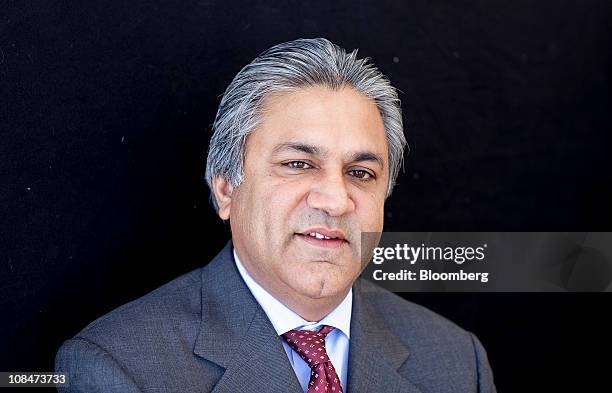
(319, 287)
(313, 294)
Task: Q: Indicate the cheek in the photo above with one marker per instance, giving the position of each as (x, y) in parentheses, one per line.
(285, 195)
(273, 208)
(371, 213)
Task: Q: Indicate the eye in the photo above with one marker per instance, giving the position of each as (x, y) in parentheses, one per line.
(361, 174)
(298, 165)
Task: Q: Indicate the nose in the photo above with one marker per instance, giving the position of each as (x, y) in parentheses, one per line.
(330, 194)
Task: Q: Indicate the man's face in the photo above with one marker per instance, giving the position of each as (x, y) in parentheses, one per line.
(318, 163)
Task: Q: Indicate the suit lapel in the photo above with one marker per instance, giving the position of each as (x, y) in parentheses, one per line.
(375, 352)
(236, 334)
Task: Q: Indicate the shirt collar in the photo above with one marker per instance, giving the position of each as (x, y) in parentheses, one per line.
(284, 319)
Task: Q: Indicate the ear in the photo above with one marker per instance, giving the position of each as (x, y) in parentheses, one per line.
(223, 194)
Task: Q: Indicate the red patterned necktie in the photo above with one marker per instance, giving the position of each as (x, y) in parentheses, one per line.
(311, 347)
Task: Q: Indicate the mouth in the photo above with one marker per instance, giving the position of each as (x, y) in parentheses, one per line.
(323, 237)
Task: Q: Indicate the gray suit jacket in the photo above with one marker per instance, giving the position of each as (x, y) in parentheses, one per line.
(205, 332)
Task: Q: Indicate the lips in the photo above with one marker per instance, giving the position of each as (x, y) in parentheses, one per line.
(324, 234)
(323, 237)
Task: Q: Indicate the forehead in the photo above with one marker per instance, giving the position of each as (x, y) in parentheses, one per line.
(341, 120)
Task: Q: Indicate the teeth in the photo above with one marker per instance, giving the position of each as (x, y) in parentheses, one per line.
(318, 235)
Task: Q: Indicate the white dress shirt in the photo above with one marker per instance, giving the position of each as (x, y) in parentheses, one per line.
(283, 319)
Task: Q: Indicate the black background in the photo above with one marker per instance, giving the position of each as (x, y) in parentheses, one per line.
(105, 113)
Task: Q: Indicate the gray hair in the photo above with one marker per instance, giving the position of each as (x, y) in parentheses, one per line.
(286, 67)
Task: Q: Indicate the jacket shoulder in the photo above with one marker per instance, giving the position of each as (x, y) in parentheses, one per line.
(437, 346)
(141, 345)
(168, 309)
(410, 320)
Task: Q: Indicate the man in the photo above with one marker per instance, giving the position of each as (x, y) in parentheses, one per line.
(307, 144)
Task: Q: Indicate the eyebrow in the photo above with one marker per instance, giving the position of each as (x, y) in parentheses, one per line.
(313, 150)
(300, 147)
(368, 156)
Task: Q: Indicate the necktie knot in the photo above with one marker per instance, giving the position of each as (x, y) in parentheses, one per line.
(309, 345)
